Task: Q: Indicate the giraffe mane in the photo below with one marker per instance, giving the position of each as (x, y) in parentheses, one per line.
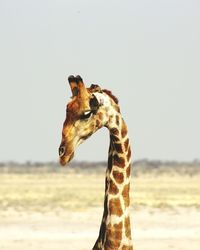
(109, 93)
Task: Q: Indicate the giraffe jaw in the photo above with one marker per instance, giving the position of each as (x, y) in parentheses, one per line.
(66, 159)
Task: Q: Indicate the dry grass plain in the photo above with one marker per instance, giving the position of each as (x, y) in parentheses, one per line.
(45, 209)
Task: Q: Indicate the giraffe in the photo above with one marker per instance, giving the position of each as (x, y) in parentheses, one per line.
(89, 110)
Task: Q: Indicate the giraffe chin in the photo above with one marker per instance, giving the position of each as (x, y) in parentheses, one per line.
(66, 159)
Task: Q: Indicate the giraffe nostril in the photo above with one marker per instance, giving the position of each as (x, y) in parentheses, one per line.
(61, 151)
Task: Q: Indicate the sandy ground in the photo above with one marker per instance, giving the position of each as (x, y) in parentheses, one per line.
(153, 229)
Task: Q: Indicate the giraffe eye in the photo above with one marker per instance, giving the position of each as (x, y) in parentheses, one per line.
(86, 115)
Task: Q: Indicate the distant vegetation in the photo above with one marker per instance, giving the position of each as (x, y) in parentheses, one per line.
(140, 166)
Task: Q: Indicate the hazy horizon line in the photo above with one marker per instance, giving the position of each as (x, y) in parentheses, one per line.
(53, 162)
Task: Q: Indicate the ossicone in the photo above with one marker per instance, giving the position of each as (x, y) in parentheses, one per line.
(77, 86)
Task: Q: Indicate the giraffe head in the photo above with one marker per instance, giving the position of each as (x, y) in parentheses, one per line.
(89, 110)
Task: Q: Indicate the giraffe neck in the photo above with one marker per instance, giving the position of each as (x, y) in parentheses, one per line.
(115, 231)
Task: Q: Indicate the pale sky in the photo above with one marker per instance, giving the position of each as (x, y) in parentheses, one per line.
(146, 52)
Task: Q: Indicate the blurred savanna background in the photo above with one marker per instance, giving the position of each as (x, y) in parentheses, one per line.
(45, 206)
(147, 53)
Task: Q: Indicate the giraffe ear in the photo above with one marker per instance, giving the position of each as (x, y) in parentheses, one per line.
(73, 85)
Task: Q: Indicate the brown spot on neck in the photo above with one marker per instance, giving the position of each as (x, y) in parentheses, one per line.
(128, 171)
(118, 161)
(118, 148)
(114, 131)
(119, 177)
(127, 225)
(126, 144)
(117, 120)
(113, 236)
(114, 138)
(124, 130)
(115, 207)
(125, 194)
(129, 154)
(113, 189)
